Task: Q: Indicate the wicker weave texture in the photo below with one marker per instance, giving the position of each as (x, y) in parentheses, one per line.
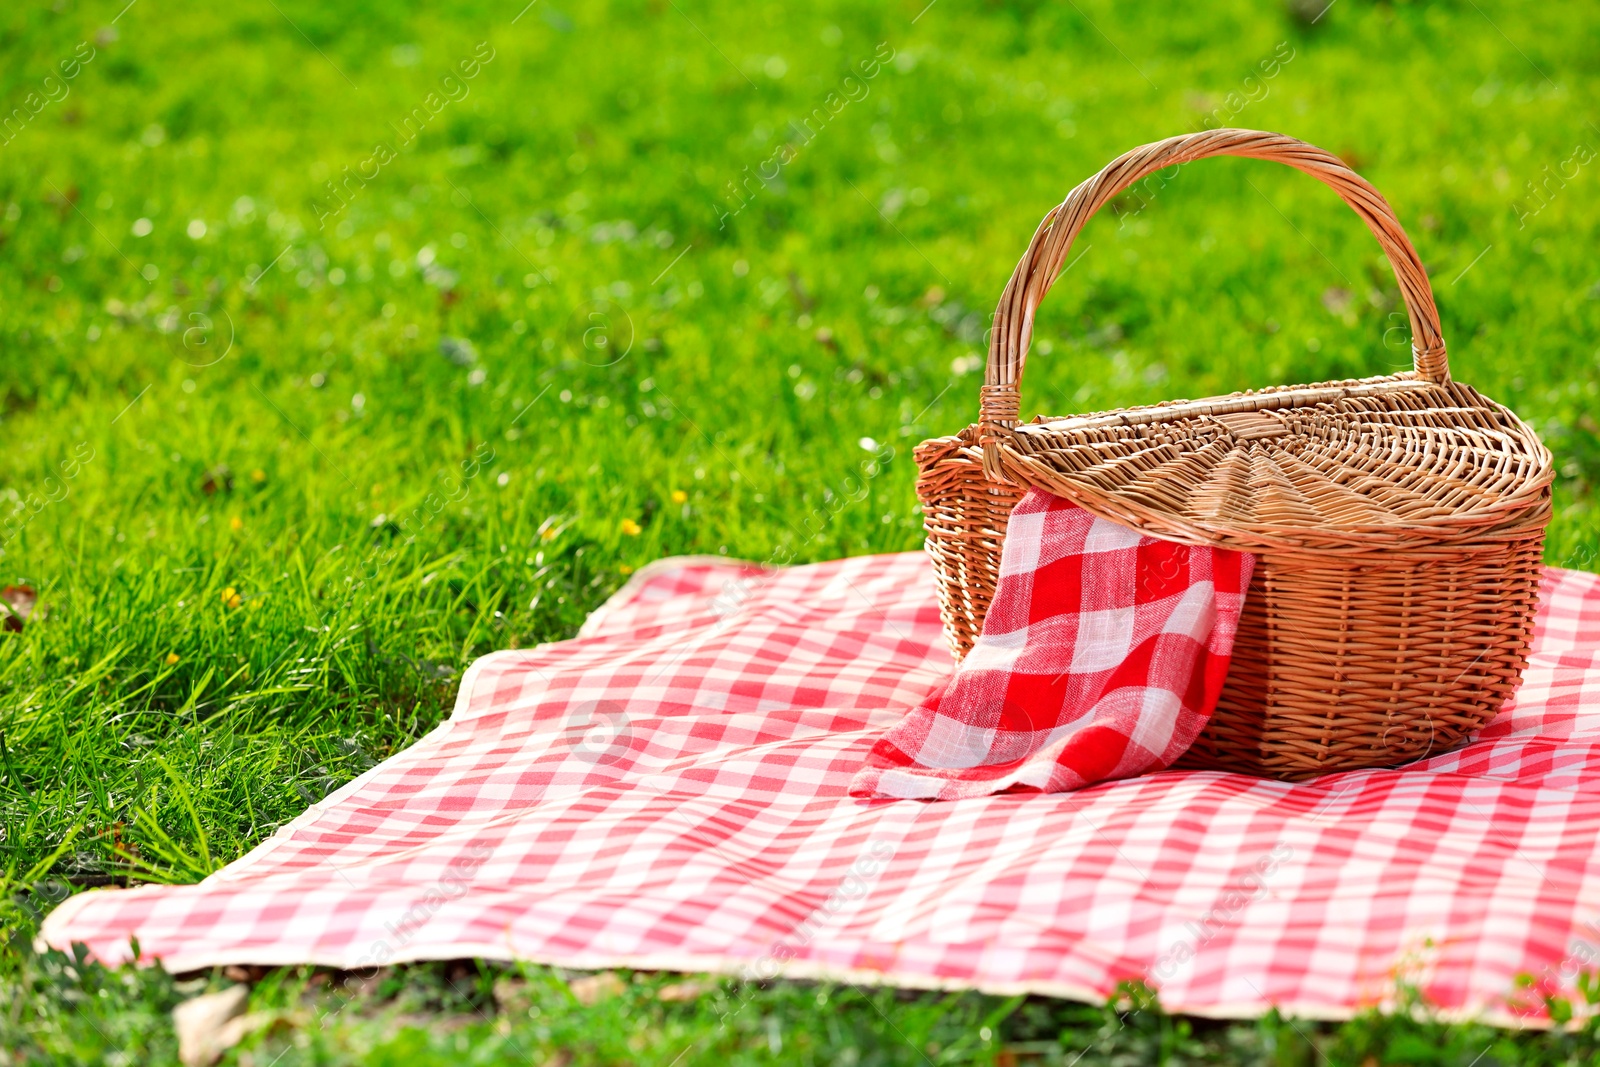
(1398, 522)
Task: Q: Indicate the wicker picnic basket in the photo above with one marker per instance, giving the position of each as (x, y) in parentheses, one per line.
(1397, 521)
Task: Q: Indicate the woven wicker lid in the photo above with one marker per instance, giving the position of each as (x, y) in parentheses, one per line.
(1353, 463)
(1367, 465)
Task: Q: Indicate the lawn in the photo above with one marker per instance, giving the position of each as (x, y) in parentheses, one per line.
(346, 343)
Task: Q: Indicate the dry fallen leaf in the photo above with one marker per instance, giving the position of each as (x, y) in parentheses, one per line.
(1337, 300)
(681, 991)
(16, 604)
(218, 477)
(239, 1027)
(202, 1025)
(511, 995)
(593, 988)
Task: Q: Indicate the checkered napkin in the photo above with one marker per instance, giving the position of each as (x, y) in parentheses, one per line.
(1101, 657)
(669, 791)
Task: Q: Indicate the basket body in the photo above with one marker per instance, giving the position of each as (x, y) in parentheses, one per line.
(1347, 656)
(1397, 522)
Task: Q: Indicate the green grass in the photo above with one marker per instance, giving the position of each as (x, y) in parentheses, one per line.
(273, 505)
(462, 1012)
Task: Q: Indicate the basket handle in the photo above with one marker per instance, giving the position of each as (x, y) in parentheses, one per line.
(1039, 266)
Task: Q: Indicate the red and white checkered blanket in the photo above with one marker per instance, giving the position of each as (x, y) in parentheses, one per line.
(1102, 657)
(670, 790)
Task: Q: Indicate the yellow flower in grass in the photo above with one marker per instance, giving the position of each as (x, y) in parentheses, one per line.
(631, 528)
(236, 524)
(680, 497)
(625, 569)
(549, 533)
(231, 597)
(172, 658)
